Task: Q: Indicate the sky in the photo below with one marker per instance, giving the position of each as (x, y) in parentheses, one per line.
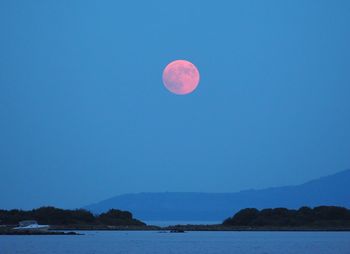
(84, 115)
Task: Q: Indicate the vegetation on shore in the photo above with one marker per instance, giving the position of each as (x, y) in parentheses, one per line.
(72, 218)
(318, 217)
(321, 218)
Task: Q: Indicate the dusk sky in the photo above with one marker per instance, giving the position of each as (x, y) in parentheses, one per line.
(84, 114)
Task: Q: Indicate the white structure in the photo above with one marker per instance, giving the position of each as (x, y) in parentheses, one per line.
(31, 225)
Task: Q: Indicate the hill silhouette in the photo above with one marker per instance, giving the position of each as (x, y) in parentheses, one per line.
(332, 190)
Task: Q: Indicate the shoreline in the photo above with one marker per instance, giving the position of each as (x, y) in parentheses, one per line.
(59, 230)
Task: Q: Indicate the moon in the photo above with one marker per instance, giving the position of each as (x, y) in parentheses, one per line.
(181, 77)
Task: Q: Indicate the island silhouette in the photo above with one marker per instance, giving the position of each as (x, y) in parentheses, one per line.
(331, 190)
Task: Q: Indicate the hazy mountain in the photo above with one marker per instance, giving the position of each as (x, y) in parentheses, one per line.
(329, 190)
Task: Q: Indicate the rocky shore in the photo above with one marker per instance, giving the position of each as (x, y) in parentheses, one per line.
(11, 231)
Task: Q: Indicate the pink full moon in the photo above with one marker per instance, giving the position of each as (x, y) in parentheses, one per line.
(181, 77)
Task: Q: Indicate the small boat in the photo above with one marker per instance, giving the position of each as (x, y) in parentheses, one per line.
(31, 225)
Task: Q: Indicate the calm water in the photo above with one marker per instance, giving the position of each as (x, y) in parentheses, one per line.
(188, 243)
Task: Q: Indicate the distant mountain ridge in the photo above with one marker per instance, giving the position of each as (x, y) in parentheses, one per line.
(190, 206)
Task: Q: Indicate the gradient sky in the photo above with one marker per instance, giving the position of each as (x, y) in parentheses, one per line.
(84, 114)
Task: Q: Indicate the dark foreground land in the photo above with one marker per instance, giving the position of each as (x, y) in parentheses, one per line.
(322, 218)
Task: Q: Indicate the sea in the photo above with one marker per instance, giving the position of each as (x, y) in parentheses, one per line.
(160, 242)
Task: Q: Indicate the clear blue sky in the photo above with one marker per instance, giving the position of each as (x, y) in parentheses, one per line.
(84, 114)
